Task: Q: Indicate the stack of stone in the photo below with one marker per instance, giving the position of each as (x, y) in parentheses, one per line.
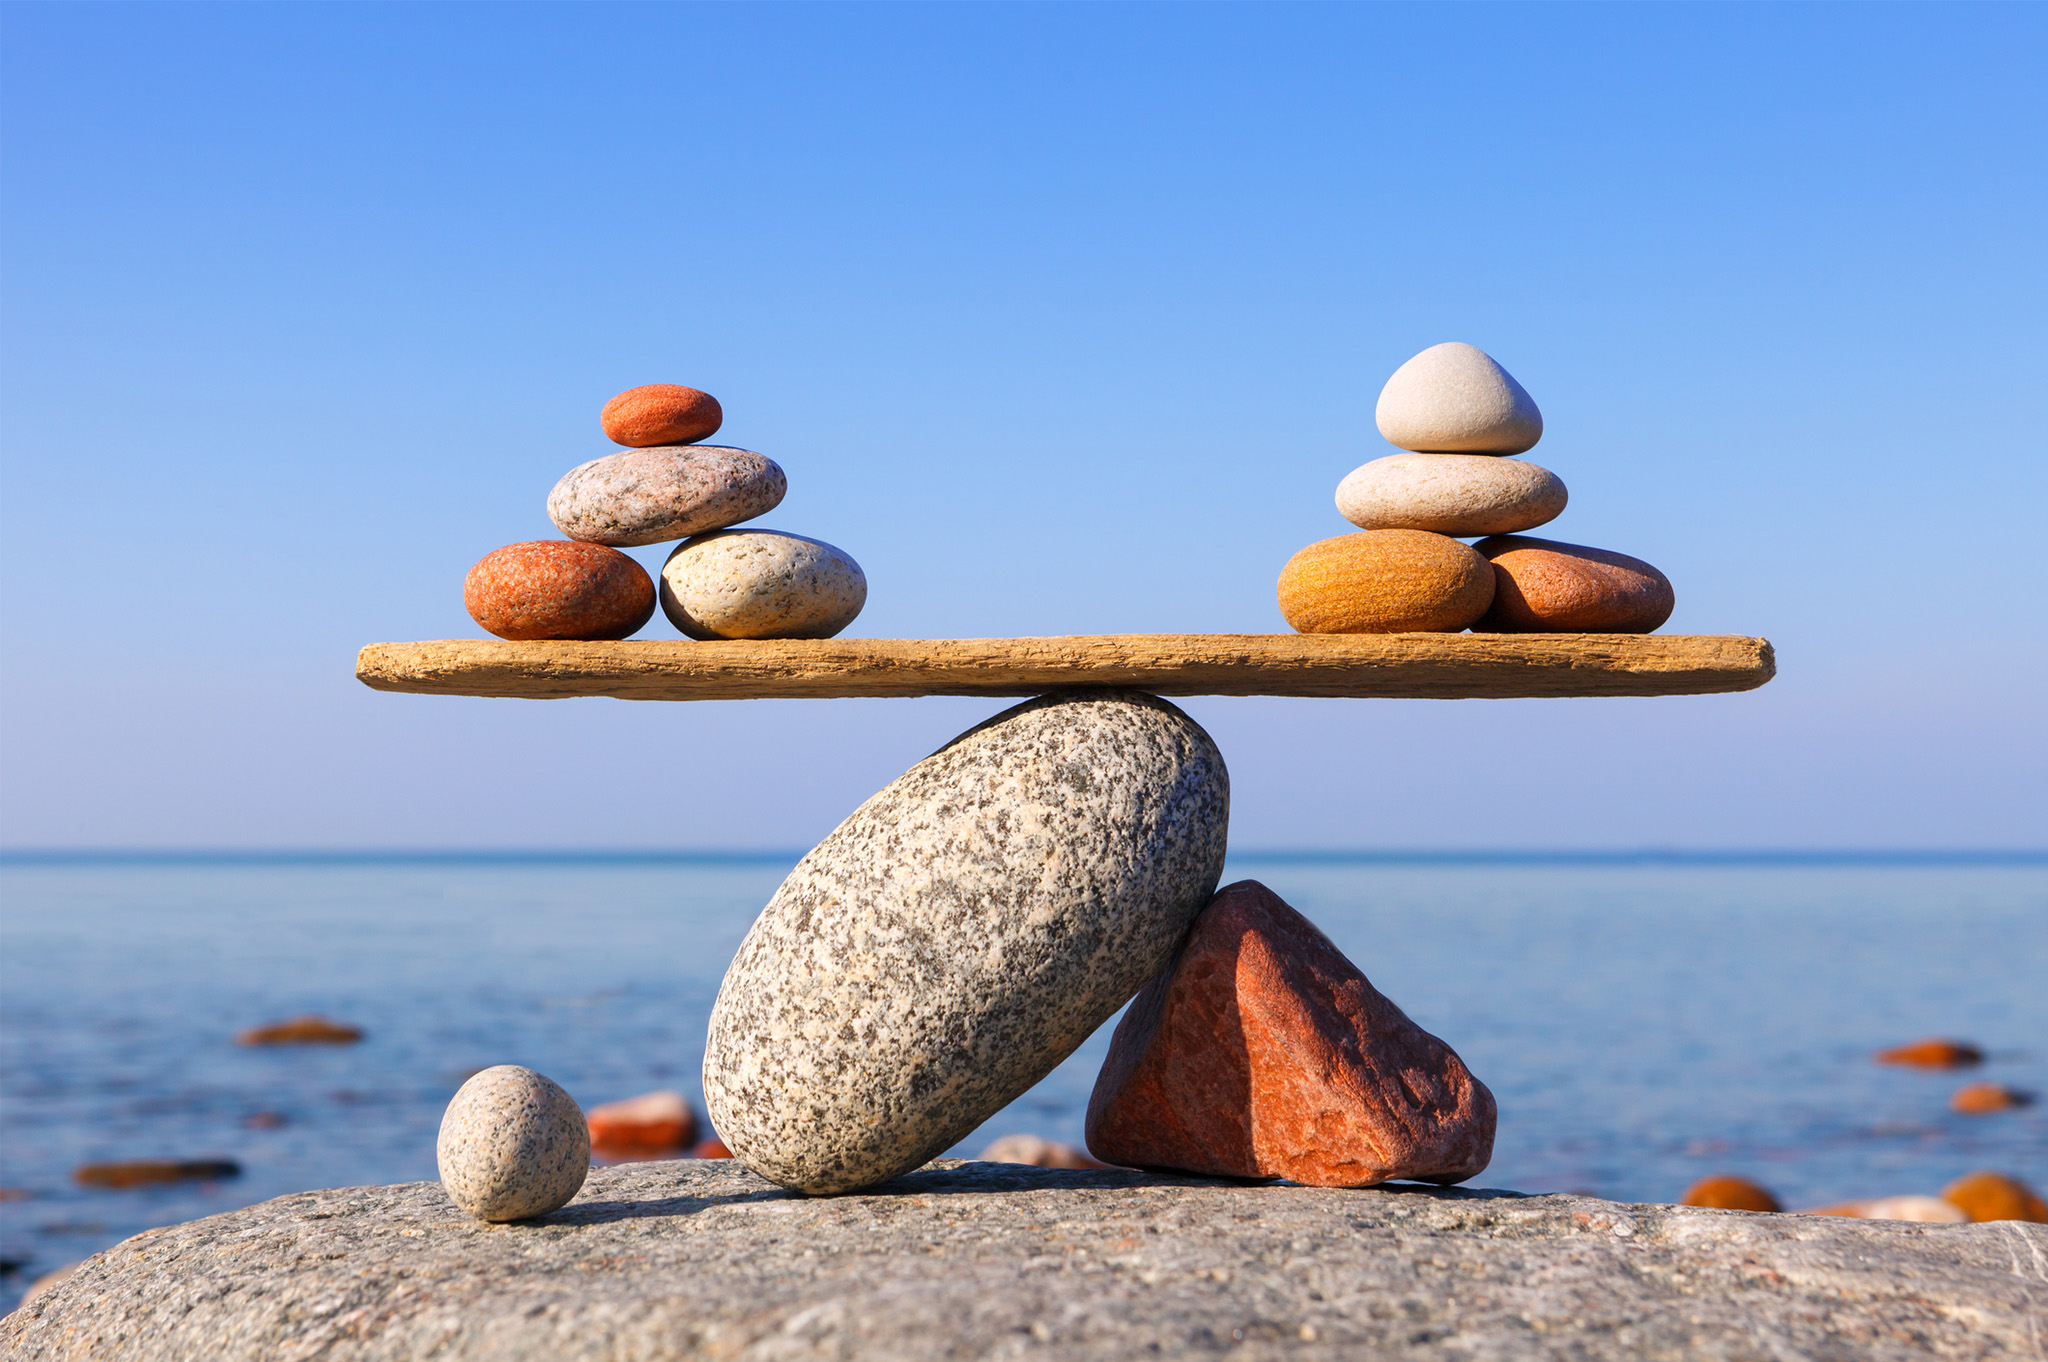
(719, 583)
(1462, 418)
(969, 926)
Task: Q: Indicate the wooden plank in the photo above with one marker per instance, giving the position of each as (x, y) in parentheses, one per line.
(1428, 666)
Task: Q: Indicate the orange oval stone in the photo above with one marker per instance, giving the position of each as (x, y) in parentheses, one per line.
(1385, 582)
(660, 414)
(1729, 1193)
(1547, 587)
(559, 588)
(1982, 1099)
(1933, 1053)
(1985, 1195)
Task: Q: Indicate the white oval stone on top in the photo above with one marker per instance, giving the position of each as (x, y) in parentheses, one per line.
(1454, 399)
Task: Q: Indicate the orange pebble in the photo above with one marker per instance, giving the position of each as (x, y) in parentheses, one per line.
(646, 1126)
(1985, 1195)
(1981, 1099)
(1728, 1193)
(1933, 1053)
(713, 1148)
(660, 414)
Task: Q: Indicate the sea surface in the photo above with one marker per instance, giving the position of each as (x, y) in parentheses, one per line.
(1643, 1023)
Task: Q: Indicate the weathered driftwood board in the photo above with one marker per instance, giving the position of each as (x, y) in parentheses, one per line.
(1425, 666)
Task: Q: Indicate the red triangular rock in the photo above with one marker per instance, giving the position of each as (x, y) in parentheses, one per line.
(1262, 1052)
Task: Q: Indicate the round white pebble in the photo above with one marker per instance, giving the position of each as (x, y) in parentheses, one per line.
(1454, 494)
(760, 584)
(513, 1145)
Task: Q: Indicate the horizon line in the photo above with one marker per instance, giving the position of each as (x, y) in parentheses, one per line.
(458, 855)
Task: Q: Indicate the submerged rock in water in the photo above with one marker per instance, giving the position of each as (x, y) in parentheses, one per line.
(1727, 1192)
(1933, 1053)
(1038, 1152)
(151, 1172)
(960, 934)
(1262, 1052)
(1984, 1195)
(644, 1127)
(306, 1030)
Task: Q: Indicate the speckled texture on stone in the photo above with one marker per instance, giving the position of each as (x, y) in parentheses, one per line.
(1455, 398)
(960, 934)
(661, 414)
(647, 496)
(1455, 494)
(513, 1144)
(658, 1262)
(555, 589)
(761, 584)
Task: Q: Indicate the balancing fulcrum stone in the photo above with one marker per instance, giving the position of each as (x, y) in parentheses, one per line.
(961, 934)
(513, 1145)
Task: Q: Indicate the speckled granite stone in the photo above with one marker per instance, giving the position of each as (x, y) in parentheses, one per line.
(646, 496)
(659, 1262)
(961, 934)
(1456, 494)
(513, 1145)
(761, 584)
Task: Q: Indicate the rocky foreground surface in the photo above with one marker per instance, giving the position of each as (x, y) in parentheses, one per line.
(958, 1260)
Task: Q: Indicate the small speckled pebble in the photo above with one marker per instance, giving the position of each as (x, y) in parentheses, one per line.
(761, 584)
(647, 496)
(513, 1145)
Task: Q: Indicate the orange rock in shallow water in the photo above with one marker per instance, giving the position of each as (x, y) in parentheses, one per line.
(558, 588)
(1728, 1193)
(1544, 587)
(660, 414)
(646, 1126)
(1982, 1099)
(1933, 1053)
(1262, 1052)
(1385, 582)
(307, 1030)
(713, 1148)
(1994, 1196)
(149, 1172)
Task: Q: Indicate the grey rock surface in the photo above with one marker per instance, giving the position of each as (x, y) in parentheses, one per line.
(513, 1144)
(1455, 398)
(761, 584)
(647, 496)
(960, 934)
(702, 1259)
(1454, 494)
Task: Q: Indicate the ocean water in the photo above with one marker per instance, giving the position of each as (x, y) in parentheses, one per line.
(1641, 1024)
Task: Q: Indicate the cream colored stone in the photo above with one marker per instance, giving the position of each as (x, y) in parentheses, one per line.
(760, 584)
(1455, 399)
(513, 1145)
(1455, 494)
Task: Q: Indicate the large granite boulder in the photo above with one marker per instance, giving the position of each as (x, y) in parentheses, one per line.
(961, 934)
(662, 1261)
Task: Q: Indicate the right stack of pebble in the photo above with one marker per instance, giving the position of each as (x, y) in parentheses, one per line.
(1461, 420)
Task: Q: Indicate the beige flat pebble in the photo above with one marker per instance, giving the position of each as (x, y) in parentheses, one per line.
(761, 584)
(1455, 494)
(513, 1145)
(1454, 399)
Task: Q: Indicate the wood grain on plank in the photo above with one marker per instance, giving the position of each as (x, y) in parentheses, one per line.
(1415, 666)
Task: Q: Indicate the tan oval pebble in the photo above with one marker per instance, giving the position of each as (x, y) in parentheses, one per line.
(661, 414)
(1385, 582)
(1545, 587)
(648, 496)
(513, 1145)
(1455, 399)
(761, 584)
(1457, 494)
(555, 588)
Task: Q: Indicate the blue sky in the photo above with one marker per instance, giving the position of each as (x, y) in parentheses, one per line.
(1061, 319)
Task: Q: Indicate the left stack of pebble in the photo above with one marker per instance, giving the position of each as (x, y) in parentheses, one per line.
(719, 583)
